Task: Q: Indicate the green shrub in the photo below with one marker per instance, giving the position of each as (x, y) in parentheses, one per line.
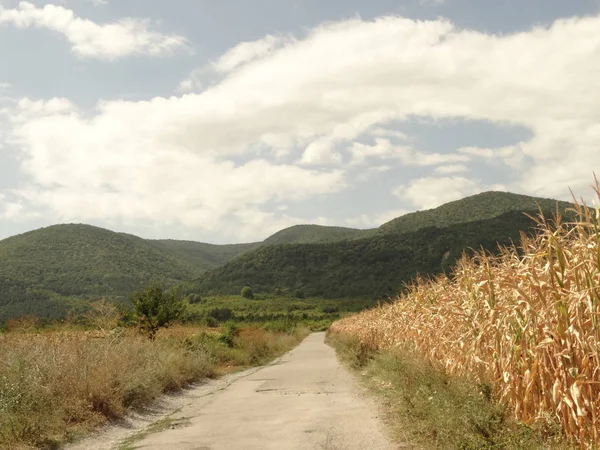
(247, 292)
(221, 314)
(155, 309)
(194, 299)
(230, 332)
(211, 322)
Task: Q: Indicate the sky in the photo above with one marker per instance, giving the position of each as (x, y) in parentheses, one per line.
(226, 121)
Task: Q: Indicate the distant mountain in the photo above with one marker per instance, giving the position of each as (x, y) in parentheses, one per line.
(380, 264)
(486, 205)
(82, 259)
(203, 256)
(311, 234)
(49, 271)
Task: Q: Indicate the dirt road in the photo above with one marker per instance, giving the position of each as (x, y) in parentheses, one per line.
(305, 400)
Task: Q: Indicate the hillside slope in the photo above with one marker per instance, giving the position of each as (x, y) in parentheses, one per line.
(486, 205)
(82, 259)
(312, 234)
(379, 265)
(200, 255)
(48, 271)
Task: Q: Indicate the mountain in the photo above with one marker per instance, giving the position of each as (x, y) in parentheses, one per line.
(49, 271)
(311, 234)
(203, 256)
(486, 205)
(82, 259)
(378, 265)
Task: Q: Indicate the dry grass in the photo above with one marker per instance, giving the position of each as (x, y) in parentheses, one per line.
(525, 323)
(56, 385)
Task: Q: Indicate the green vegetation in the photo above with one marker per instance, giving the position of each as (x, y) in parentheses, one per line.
(203, 256)
(486, 205)
(57, 385)
(155, 309)
(374, 267)
(274, 312)
(312, 234)
(59, 270)
(247, 292)
(428, 407)
(49, 271)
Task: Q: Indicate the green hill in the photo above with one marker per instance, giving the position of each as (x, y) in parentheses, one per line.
(48, 271)
(203, 256)
(379, 265)
(486, 205)
(80, 260)
(311, 234)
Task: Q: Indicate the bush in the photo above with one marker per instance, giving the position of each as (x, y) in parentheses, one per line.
(230, 331)
(194, 299)
(221, 314)
(155, 309)
(247, 292)
(211, 322)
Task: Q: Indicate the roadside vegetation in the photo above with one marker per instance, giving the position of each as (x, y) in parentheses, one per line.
(431, 408)
(60, 381)
(520, 329)
(270, 311)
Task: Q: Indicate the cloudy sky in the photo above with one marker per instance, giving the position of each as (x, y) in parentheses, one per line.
(225, 121)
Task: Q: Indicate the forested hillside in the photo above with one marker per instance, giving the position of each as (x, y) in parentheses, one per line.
(482, 206)
(42, 269)
(371, 267)
(378, 264)
(203, 256)
(312, 234)
(49, 271)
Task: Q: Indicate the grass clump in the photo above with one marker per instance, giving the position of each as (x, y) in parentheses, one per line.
(57, 385)
(432, 409)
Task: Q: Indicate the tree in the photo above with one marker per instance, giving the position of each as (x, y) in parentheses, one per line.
(247, 292)
(154, 308)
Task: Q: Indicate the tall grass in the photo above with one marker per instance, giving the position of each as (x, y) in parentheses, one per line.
(524, 322)
(56, 385)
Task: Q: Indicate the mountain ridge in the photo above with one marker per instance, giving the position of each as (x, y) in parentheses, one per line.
(42, 270)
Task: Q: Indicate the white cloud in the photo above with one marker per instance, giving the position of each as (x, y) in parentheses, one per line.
(384, 132)
(14, 210)
(432, 2)
(366, 173)
(321, 151)
(430, 192)
(512, 156)
(451, 168)
(5, 85)
(383, 148)
(88, 39)
(246, 52)
(104, 170)
(171, 158)
(375, 220)
(193, 83)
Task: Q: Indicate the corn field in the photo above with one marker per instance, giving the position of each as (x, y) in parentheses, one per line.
(525, 321)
